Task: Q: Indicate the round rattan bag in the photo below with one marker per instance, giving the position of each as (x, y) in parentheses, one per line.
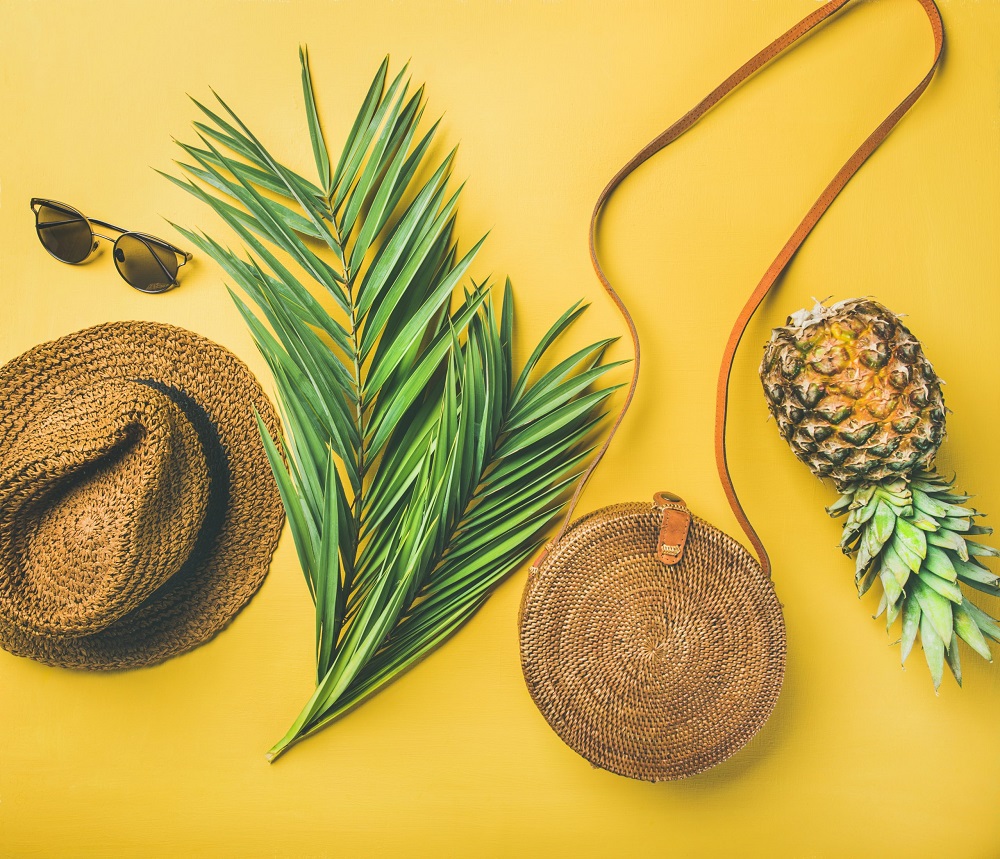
(651, 670)
(652, 642)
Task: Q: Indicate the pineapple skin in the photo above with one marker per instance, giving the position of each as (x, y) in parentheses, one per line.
(853, 393)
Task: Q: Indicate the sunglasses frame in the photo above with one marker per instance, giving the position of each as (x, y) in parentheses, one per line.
(145, 238)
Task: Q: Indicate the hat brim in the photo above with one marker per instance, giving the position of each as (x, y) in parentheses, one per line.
(234, 554)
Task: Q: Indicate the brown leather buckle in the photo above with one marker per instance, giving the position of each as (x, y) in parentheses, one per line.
(674, 527)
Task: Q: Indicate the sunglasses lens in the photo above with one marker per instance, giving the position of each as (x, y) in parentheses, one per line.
(146, 265)
(64, 233)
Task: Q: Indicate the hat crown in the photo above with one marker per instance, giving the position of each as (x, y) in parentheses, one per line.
(101, 502)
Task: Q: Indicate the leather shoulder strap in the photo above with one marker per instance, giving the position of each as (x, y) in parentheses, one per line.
(774, 270)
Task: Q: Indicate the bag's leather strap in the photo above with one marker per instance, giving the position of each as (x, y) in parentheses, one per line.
(776, 267)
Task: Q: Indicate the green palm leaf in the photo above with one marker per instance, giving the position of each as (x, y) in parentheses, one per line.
(417, 468)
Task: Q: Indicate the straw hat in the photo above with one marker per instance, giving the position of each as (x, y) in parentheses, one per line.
(138, 513)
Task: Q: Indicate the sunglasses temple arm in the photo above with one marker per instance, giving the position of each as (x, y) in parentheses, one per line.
(49, 224)
(184, 255)
(171, 278)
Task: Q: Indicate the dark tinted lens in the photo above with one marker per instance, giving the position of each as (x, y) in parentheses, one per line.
(145, 264)
(65, 233)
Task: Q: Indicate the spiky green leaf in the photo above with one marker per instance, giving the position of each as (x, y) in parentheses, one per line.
(417, 469)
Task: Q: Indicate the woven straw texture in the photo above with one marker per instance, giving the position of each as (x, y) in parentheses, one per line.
(649, 671)
(138, 513)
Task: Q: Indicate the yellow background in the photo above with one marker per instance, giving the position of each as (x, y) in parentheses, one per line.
(547, 99)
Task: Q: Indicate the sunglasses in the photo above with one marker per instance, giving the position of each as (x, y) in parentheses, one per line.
(145, 262)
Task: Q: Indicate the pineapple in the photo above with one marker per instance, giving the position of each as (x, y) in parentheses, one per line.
(852, 392)
(859, 403)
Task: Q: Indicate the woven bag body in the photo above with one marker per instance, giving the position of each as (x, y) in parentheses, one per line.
(651, 671)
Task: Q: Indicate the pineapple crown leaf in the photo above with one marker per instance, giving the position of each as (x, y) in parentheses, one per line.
(912, 534)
